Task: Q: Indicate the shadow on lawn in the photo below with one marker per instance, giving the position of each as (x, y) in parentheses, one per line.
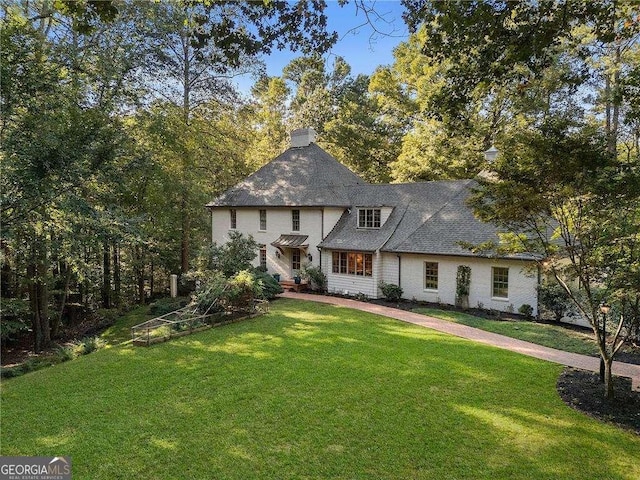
(318, 391)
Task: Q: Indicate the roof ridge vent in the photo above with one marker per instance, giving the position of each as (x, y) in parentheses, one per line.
(303, 137)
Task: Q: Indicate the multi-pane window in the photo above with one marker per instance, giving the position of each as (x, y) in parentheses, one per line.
(369, 218)
(500, 288)
(232, 219)
(431, 275)
(295, 220)
(263, 257)
(295, 259)
(263, 219)
(353, 263)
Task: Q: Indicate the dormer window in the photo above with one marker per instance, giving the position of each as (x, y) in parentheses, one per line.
(368, 218)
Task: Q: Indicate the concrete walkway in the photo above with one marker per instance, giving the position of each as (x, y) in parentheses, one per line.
(576, 360)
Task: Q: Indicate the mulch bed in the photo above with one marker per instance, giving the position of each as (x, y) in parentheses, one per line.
(583, 391)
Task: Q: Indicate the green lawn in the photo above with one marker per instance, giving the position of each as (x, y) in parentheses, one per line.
(310, 391)
(554, 336)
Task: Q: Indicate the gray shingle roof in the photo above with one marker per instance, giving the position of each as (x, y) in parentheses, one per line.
(413, 204)
(301, 176)
(427, 217)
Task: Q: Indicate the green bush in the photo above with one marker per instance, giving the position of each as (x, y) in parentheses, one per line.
(235, 255)
(391, 291)
(212, 289)
(80, 347)
(315, 276)
(270, 286)
(554, 299)
(167, 305)
(526, 310)
(242, 289)
(14, 318)
(62, 354)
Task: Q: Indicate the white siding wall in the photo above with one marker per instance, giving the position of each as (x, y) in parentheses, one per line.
(351, 284)
(278, 223)
(384, 214)
(522, 281)
(389, 269)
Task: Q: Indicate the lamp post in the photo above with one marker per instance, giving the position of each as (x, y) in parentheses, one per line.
(604, 310)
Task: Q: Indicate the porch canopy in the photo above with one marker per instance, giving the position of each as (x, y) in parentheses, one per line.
(291, 241)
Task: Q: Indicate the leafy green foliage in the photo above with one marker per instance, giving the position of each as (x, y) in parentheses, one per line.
(315, 276)
(14, 318)
(235, 255)
(210, 292)
(270, 286)
(391, 291)
(463, 280)
(553, 298)
(167, 305)
(526, 310)
(242, 289)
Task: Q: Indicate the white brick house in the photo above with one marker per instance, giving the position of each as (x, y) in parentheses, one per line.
(306, 207)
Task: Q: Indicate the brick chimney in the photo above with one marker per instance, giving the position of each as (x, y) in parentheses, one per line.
(303, 137)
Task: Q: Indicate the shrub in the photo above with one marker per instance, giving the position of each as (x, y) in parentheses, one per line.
(391, 292)
(361, 297)
(14, 318)
(167, 305)
(242, 289)
(526, 310)
(235, 255)
(270, 286)
(208, 295)
(315, 276)
(553, 298)
(80, 347)
(463, 280)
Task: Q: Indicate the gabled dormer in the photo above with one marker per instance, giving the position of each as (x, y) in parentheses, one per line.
(372, 217)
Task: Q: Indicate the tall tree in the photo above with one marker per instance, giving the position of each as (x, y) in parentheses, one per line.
(561, 177)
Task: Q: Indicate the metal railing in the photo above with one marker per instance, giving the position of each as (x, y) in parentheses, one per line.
(188, 320)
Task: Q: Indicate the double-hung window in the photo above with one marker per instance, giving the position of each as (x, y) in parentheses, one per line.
(233, 220)
(263, 220)
(263, 257)
(431, 275)
(295, 220)
(500, 282)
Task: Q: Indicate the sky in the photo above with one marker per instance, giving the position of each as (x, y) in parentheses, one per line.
(363, 46)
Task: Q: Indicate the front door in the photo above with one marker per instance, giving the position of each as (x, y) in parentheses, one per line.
(295, 262)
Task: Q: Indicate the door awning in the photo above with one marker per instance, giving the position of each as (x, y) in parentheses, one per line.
(291, 241)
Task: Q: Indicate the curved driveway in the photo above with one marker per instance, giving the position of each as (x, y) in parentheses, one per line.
(576, 360)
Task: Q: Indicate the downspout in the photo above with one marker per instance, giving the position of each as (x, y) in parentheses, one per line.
(399, 269)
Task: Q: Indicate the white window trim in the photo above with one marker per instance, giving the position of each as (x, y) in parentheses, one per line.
(369, 208)
(493, 297)
(424, 278)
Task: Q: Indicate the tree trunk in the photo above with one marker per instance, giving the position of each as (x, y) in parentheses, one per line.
(139, 255)
(152, 277)
(608, 378)
(106, 275)
(55, 326)
(186, 226)
(117, 283)
(33, 304)
(39, 295)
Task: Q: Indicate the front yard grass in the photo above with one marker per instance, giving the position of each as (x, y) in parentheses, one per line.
(553, 336)
(310, 391)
